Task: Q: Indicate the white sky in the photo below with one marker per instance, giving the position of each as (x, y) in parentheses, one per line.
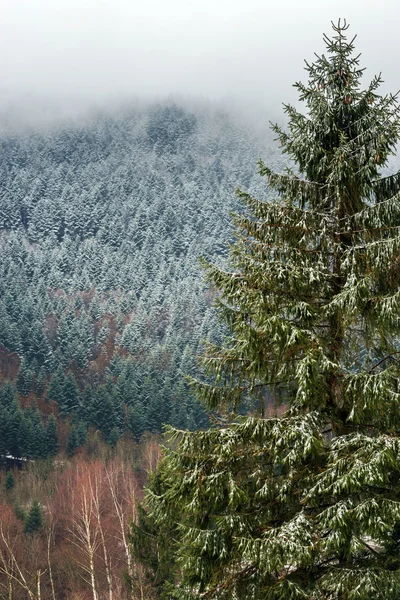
(252, 49)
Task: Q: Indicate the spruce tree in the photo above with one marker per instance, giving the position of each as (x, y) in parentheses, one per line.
(51, 440)
(34, 519)
(73, 442)
(9, 482)
(306, 504)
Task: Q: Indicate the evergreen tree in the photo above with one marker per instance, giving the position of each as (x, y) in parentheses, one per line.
(151, 545)
(51, 441)
(73, 442)
(307, 504)
(24, 380)
(55, 392)
(7, 396)
(20, 512)
(3, 431)
(81, 433)
(11, 434)
(34, 519)
(77, 438)
(70, 394)
(137, 420)
(102, 412)
(9, 481)
(113, 436)
(25, 437)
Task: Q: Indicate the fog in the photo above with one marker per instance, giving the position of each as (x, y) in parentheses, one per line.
(77, 53)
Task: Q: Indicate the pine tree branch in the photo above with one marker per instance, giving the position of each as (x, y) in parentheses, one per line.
(379, 554)
(391, 356)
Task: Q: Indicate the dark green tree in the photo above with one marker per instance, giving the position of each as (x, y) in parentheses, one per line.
(12, 423)
(34, 519)
(102, 412)
(81, 433)
(77, 438)
(55, 392)
(3, 431)
(20, 512)
(73, 442)
(153, 545)
(113, 436)
(303, 505)
(7, 396)
(24, 381)
(9, 481)
(25, 437)
(70, 394)
(51, 440)
(137, 420)
(37, 434)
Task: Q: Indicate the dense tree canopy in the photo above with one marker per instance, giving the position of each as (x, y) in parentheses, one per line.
(305, 504)
(102, 306)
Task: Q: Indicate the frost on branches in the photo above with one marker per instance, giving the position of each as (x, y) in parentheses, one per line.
(305, 505)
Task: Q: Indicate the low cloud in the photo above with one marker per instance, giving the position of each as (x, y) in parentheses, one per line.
(82, 52)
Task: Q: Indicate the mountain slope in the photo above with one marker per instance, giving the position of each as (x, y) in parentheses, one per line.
(102, 303)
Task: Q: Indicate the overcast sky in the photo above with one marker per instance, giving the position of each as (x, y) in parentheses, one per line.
(251, 49)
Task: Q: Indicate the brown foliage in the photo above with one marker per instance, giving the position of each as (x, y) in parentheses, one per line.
(82, 549)
(9, 364)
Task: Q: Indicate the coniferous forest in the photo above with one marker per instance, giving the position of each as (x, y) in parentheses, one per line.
(103, 307)
(103, 311)
(138, 292)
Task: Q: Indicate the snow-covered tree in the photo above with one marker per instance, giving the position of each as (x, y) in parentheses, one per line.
(304, 504)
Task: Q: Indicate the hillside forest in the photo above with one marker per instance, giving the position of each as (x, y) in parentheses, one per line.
(103, 307)
(103, 310)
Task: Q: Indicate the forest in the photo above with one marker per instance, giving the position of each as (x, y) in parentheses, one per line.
(258, 331)
(103, 311)
(103, 307)
(64, 524)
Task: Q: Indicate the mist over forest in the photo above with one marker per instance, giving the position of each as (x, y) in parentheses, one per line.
(104, 309)
(103, 306)
(199, 299)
